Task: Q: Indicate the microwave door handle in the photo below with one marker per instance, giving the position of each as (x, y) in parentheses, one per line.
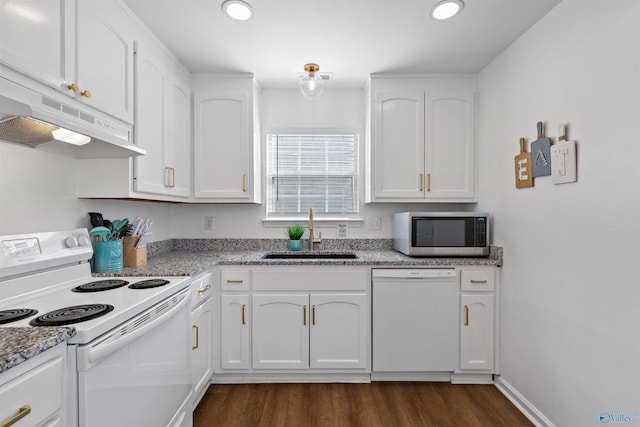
(93, 354)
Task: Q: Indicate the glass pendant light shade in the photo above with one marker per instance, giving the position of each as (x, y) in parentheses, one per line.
(311, 84)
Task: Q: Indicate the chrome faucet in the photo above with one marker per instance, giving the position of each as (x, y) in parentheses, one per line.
(313, 240)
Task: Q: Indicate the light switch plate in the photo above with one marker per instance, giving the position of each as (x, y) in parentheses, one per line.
(563, 162)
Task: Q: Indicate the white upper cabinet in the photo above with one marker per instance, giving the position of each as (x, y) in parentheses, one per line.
(35, 39)
(163, 118)
(421, 140)
(226, 139)
(105, 58)
(82, 48)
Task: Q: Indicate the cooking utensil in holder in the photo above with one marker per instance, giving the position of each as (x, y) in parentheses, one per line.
(107, 256)
(133, 256)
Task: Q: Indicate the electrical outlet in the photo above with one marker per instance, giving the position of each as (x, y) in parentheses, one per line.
(374, 223)
(342, 231)
(209, 223)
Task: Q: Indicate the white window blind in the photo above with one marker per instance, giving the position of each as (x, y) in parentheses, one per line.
(318, 171)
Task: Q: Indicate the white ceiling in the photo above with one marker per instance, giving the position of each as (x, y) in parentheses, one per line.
(350, 38)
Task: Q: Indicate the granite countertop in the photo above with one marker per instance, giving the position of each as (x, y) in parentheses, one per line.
(194, 262)
(18, 345)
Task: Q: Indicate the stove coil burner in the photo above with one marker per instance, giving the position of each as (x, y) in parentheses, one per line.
(147, 284)
(100, 285)
(69, 315)
(15, 314)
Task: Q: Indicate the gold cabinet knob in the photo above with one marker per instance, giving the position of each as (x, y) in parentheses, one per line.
(85, 93)
(73, 87)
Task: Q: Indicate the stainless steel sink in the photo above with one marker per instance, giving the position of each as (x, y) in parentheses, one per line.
(310, 255)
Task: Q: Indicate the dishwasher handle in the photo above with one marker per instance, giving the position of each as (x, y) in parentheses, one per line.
(413, 273)
(131, 330)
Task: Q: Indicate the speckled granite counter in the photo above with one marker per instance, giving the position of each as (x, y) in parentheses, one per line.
(192, 258)
(20, 344)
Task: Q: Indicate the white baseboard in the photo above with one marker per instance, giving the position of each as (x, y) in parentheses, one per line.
(529, 411)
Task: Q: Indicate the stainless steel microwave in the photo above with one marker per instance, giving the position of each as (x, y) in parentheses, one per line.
(441, 233)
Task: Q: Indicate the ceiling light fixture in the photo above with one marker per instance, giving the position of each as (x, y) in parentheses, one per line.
(237, 9)
(446, 9)
(311, 84)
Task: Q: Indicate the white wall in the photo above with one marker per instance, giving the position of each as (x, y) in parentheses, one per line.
(288, 109)
(571, 299)
(38, 193)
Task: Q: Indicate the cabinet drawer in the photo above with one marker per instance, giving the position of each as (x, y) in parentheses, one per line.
(40, 388)
(235, 280)
(477, 280)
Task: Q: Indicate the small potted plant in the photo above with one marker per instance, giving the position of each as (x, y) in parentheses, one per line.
(295, 233)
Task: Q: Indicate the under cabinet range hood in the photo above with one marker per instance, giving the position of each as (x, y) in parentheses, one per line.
(48, 124)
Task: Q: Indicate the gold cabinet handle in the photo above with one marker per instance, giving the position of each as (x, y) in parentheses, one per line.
(167, 183)
(478, 281)
(235, 281)
(205, 289)
(304, 315)
(197, 336)
(313, 314)
(73, 87)
(466, 315)
(421, 182)
(85, 93)
(428, 182)
(244, 322)
(22, 412)
(244, 182)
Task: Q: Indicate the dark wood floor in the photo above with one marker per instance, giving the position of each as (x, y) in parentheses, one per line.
(376, 404)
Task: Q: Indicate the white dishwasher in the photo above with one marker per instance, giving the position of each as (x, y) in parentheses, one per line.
(414, 320)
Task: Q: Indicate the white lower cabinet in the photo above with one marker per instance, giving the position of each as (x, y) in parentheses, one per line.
(32, 393)
(202, 335)
(301, 331)
(234, 331)
(279, 322)
(476, 331)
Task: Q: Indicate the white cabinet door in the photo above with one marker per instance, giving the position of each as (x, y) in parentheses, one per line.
(221, 161)
(105, 58)
(280, 336)
(150, 176)
(234, 331)
(36, 38)
(449, 145)
(399, 145)
(476, 331)
(339, 326)
(178, 140)
(201, 347)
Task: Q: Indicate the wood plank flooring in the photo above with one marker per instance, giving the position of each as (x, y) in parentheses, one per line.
(349, 405)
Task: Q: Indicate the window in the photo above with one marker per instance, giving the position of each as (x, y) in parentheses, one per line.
(312, 170)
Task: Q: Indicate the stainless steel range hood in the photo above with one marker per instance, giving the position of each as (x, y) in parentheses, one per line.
(43, 122)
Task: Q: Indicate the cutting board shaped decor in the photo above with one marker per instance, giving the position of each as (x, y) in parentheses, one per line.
(541, 154)
(522, 162)
(563, 159)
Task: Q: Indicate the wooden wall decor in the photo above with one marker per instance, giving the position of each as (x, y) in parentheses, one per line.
(541, 154)
(522, 161)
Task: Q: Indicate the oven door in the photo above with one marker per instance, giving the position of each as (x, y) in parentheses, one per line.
(139, 373)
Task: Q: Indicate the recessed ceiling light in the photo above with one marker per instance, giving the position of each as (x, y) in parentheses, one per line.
(446, 9)
(237, 9)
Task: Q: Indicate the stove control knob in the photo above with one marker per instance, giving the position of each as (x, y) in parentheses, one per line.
(71, 242)
(83, 240)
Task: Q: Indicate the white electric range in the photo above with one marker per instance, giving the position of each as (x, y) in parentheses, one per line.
(133, 331)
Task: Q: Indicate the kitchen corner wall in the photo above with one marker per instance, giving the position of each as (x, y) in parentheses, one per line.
(570, 294)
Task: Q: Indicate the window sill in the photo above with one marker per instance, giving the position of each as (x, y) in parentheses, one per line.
(319, 222)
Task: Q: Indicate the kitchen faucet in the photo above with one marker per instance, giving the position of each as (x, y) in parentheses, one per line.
(312, 239)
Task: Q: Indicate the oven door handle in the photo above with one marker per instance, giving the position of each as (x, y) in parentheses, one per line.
(90, 355)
